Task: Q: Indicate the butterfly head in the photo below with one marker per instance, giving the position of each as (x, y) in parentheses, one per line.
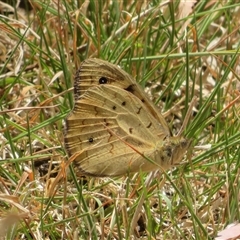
(174, 149)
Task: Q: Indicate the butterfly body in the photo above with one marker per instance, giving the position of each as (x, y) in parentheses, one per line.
(114, 127)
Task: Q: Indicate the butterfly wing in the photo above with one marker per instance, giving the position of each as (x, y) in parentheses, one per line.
(96, 72)
(114, 133)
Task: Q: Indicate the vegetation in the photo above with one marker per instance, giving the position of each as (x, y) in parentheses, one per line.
(176, 51)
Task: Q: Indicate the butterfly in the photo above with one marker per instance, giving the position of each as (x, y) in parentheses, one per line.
(114, 128)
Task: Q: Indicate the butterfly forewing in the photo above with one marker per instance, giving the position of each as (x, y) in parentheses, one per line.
(95, 72)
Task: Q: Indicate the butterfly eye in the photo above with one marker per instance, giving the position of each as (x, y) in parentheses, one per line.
(168, 151)
(103, 80)
(184, 143)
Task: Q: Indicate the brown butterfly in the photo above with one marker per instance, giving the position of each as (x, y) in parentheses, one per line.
(114, 128)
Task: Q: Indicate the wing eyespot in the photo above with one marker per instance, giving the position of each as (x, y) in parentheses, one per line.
(124, 103)
(90, 140)
(103, 80)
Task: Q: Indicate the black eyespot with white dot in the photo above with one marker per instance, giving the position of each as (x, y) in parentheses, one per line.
(90, 140)
(103, 80)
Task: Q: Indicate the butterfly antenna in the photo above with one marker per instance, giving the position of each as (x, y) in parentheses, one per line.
(187, 117)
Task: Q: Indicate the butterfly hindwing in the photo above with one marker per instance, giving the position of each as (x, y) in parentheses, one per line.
(111, 123)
